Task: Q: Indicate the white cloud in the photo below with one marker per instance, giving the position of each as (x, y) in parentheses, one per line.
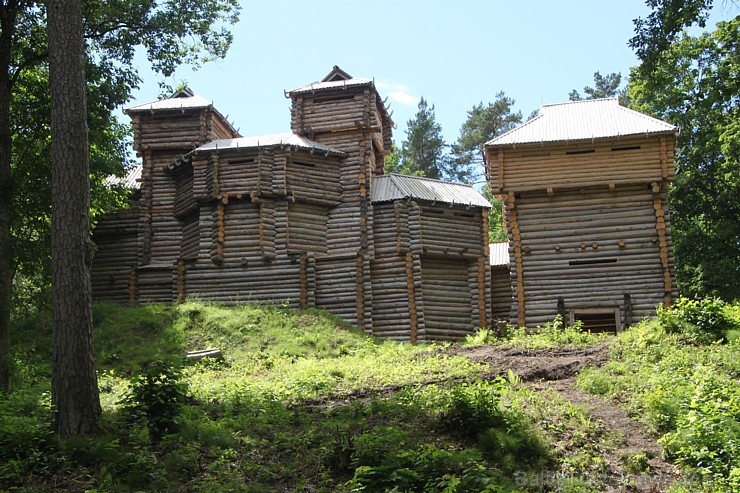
(398, 93)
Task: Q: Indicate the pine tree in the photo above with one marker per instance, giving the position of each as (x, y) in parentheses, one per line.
(484, 122)
(74, 387)
(605, 86)
(423, 151)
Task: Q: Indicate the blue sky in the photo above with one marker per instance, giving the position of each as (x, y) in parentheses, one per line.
(454, 53)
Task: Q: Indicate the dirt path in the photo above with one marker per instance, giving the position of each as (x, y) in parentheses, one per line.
(557, 369)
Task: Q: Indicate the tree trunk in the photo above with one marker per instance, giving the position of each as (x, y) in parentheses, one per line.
(7, 24)
(74, 390)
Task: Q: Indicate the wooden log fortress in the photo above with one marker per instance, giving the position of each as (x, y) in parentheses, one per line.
(305, 218)
(585, 193)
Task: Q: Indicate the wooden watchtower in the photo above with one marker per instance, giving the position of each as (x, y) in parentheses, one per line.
(585, 194)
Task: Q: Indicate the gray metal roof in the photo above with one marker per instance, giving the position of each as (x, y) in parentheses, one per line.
(131, 180)
(286, 139)
(582, 120)
(337, 84)
(391, 187)
(498, 253)
(180, 101)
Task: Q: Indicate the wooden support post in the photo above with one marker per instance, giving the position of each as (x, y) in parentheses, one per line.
(482, 292)
(397, 212)
(500, 153)
(147, 205)
(304, 281)
(411, 294)
(132, 287)
(627, 310)
(521, 319)
(180, 281)
(663, 159)
(221, 234)
(561, 309)
(484, 232)
(360, 278)
(216, 175)
(262, 226)
(285, 176)
(663, 245)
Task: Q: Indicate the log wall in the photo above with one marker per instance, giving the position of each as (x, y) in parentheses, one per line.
(501, 295)
(451, 231)
(116, 239)
(592, 249)
(336, 285)
(391, 312)
(449, 300)
(307, 228)
(570, 165)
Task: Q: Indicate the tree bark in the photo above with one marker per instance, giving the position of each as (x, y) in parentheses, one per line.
(7, 24)
(75, 397)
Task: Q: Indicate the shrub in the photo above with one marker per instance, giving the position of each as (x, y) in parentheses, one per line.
(475, 407)
(701, 321)
(430, 469)
(156, 396)
(706, 435)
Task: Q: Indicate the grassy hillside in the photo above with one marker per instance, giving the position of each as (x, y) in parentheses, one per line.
(304, 402)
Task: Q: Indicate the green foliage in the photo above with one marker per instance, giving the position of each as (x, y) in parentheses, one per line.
(605, 86)
(686, 392)
(156, 397)
(25, 434)
(552, 334)
(693, 83)
(477, 411)
(496, 230)
(423, 151)
(705, 437)
(171, 34)
(700, 321)
(483, 123)
(305, 402)
(473, 407)
(428, 469)
(668, 19)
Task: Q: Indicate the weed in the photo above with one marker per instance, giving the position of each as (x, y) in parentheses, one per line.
(700, 321)
(156, 396)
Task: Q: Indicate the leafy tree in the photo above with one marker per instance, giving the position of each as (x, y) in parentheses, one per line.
(484, 122)
(171, 33)
(665, 24)
(496, 230)
(694, 83)
(605, 86)
(423, 151)
(393, 165)
(74, 391)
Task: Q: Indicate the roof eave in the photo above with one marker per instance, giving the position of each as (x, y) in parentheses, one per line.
(577, 141)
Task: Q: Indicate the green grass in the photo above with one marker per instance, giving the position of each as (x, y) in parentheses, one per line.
(551, 335)
(688, 393)
(304, 402)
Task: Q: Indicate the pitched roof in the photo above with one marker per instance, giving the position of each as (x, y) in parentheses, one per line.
(582, 120)
(131, 180)
(184, 99)
(337, 78)
(391, 187)
(286, 139)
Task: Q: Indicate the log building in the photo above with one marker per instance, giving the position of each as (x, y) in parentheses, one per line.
(585, 194)
(305, 218)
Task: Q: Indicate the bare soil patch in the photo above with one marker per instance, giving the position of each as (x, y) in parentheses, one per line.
(556, 369)
(537, 364)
